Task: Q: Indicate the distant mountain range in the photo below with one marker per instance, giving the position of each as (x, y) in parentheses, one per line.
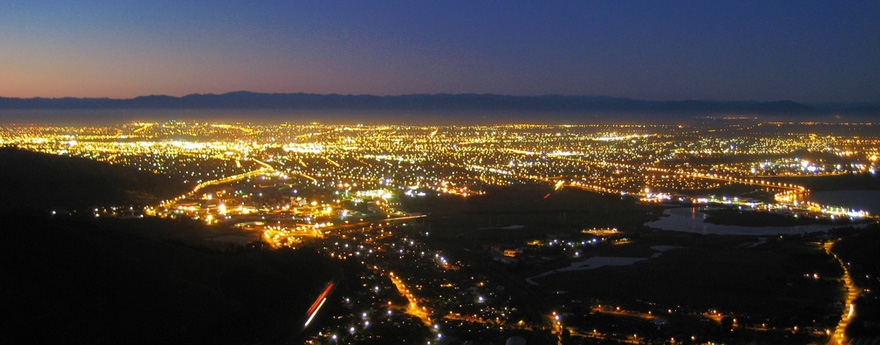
(445, 102)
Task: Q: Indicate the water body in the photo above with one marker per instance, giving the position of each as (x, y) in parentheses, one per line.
(867, 200)
(690, 219)
(589, 264)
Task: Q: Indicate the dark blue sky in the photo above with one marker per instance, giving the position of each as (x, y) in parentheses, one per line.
(805, 51)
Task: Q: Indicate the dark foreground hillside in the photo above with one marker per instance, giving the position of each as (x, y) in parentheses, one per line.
(82, 280)
(66, 280)
(38, 180)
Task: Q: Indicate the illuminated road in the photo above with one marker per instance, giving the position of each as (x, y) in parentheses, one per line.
(265, 165)
(839, 335)
(413, 307)
(223, 180)
(143, 127)
(228, 179)
(366, 223)
(275, 237)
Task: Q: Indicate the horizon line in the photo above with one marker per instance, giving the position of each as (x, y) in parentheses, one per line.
(443, 94)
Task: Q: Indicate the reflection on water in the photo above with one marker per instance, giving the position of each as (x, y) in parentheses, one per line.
(690, 219)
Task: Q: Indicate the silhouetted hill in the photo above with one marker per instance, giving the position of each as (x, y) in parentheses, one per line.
(66, 280)
(43, 181)
(83, 280)
(427, 102)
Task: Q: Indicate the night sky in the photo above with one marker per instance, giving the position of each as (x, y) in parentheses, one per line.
(804, 51)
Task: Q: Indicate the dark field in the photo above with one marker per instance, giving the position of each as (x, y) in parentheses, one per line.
(717, 274)
(768, 284)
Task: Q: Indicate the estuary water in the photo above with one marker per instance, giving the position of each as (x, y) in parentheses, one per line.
(867, 200)
(690, 219)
